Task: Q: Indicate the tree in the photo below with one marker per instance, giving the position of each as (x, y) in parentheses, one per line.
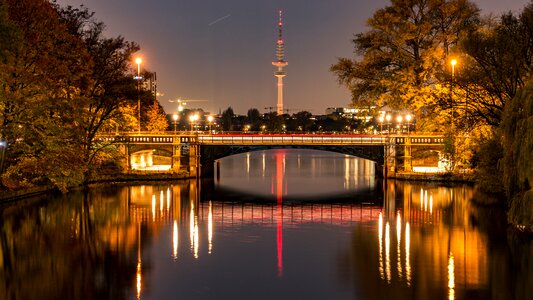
(227, 119)
(517, 129)
(9, 35)
(110, 84)
(61, 82)
(273, 122)
(253, 118)
(157, 120)
(497, 65)
(404, 54)
(39, 118)
(303, 120)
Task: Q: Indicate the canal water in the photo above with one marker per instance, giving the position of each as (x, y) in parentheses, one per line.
(277, 224)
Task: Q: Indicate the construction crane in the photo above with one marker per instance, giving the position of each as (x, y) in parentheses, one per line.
(182, 102)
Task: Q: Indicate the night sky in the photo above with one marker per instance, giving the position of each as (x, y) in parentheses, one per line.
(221, 51)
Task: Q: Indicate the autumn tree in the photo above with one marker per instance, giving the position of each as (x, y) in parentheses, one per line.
(401, 59)
(61, 80)
(109, 85)
(39, 118)
(157, 120)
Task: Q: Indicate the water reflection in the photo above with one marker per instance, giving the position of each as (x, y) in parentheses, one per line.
(161, 241)
(447, 247)
(296, 173)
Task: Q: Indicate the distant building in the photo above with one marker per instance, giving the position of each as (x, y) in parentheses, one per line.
(363, 114)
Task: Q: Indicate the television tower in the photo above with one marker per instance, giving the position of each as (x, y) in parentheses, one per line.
(280, 64)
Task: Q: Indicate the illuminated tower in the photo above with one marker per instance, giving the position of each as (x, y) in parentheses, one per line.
(280, 63)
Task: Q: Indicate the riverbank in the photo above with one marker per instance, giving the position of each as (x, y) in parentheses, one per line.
(138, 176)
(434, 177)
(147, 176)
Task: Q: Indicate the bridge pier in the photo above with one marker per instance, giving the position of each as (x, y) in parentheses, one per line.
(125, 161)
(194, 161)
(390, 159)
(407, 160)
(176, 157)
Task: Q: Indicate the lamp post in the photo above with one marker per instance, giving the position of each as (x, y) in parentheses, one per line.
(138, 61)
(192, 119)
(3, 146)
(210, 121)
(453, 63)
(408, 119)
(381, 119)
(175, 117)
(388, 118)
(399, 120)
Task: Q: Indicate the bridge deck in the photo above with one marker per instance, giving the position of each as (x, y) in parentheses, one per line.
(289, 139)
(275, 139)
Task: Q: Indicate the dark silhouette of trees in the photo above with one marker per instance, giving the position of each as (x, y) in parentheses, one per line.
(227, 119)
(498, 64)
(253, 118)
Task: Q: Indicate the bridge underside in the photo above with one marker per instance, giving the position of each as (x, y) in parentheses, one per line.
(210, 153)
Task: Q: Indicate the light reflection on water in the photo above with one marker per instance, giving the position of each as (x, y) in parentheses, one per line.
(125, 242)
(296, 173)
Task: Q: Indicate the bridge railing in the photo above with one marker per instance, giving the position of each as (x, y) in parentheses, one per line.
(276, 139)
(291, 139)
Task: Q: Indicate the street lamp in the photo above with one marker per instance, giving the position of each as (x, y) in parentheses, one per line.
(408, 119)
(3, 146)
(381, 119)
(399, 120)
(192, 119)
(138, 61)
(175, 117)
(388, 118)
(453, 63)
(210, 119)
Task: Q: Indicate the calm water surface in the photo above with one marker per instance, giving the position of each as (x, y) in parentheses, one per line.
(279, 224)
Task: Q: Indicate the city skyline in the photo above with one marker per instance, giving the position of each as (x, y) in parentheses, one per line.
(221, 53)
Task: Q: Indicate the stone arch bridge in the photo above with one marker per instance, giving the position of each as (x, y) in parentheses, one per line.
(197, 152)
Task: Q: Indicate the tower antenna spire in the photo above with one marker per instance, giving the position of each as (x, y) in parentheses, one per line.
(280, 63)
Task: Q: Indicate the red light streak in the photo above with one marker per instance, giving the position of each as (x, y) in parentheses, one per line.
(279, 198)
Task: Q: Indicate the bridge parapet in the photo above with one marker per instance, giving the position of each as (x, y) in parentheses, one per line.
(141, 139)
(420, 140)
(275, 139)
(289, 139)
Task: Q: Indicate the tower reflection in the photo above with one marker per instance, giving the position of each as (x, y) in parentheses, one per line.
(280, 172)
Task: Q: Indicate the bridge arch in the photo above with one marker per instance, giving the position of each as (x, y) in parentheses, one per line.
(210, 153)
(157, 157)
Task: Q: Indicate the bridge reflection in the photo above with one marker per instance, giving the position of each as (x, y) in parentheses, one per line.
(419, 229)
(179, 206)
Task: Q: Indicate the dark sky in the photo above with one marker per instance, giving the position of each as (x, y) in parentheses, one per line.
(228, 62)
